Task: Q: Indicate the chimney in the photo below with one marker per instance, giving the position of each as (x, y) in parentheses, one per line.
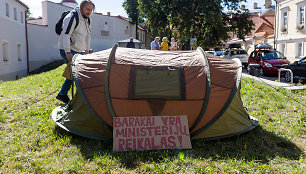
(242, 7)
(268, 4)
(108, 14)
(255, 5)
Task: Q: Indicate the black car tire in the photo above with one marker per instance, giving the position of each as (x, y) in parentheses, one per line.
(261, 71)
(288, 76)
(245, 66)
(248, 69)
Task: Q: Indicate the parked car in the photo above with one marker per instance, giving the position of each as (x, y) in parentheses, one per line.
(237, 53)
(234, 45)
(218, 53)
(210, 52)
(269, 60)
(298, 69)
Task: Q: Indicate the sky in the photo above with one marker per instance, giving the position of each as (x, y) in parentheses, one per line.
(113, 6)
(102, 6)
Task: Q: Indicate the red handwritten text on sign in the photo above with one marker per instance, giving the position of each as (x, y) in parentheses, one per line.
(146, 133)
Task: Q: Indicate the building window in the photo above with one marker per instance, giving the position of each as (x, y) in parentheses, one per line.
(21, 17)
(139, 36)
(104, 33)
(7, 7)
(300, 49)
(302, 16)
(283, 48)
(5, 52)
(285, 19)
(19, 53)
(15, 14)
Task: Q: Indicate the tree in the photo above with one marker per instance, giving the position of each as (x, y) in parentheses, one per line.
(132, 9)
(157, 14)
(201, 19)
(28, 14)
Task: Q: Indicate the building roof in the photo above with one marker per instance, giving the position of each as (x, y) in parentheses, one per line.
(128, 40)
(69, 1)
(23, 4)
(262, 20)
(142, 27)
(259, 23)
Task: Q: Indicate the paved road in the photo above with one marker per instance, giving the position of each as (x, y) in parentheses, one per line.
(271, 80)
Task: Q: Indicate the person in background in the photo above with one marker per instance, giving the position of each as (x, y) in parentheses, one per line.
(164, 45)
(74, 40)
(174, 45)
(155, 44)
(130, 44)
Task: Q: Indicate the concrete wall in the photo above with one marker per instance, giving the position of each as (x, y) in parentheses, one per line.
(292, 37)
(117, 28)
(12, 33)
(43, 41)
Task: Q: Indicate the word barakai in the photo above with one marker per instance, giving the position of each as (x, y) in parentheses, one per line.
(146, 133)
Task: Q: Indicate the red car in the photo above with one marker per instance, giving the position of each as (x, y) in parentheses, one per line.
(269, 60)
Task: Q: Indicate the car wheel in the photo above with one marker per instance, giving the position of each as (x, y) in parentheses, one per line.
(288, 76)
(248, 69)
(261, 71)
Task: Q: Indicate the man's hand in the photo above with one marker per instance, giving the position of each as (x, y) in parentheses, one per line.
(69, 56)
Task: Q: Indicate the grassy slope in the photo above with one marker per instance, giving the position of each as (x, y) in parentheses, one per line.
(31, 142)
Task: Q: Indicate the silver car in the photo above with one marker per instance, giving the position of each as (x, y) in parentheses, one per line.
(237, 53)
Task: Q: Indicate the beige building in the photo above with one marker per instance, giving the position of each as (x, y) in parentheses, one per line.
(290, 33)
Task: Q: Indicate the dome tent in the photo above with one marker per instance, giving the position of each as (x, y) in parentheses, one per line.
(125, 82)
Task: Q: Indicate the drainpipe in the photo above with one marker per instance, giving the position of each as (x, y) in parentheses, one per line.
(275, 20)
(27, 43)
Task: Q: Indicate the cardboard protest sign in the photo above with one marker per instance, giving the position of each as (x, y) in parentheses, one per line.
(147, 133)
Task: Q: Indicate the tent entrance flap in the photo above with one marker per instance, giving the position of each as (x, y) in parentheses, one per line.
(157, 83)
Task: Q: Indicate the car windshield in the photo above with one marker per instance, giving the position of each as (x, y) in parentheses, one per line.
(239, 52)
(218, 53)
(303, 60)
(272, 55)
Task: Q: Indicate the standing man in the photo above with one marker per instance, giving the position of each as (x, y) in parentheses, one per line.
(75, 38)
(155, 44)
(130, 44)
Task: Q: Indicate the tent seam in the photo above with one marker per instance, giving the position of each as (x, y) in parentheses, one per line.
(78, 86)
(106, 87)
(234, 91)
(207, 93)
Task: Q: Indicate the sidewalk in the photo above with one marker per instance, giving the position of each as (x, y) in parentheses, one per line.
(271, 81)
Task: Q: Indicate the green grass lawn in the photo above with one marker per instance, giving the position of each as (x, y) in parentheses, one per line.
(31, 142)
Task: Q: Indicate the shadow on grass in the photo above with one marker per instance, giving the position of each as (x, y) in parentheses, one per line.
(257, 144)
(48, 67)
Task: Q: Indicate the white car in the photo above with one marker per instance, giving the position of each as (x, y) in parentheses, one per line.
(237, 53)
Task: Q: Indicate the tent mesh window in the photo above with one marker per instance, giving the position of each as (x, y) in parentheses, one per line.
(157, 83)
